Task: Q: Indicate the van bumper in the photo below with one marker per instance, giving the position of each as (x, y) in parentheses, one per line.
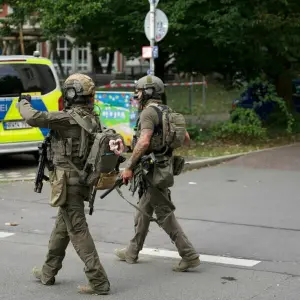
(24, 147)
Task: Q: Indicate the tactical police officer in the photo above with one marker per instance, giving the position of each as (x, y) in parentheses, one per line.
(150, 136)
(68, 142)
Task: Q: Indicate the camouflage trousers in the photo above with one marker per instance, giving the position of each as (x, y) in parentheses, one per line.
(71, 226)
(151, 202)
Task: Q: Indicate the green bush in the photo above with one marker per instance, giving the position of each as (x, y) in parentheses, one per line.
(244, 127)
(199, 134)
(194, 132)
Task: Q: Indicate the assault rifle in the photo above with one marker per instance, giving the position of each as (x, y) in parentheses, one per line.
(145, 163)
(43, 162)
(121, 159)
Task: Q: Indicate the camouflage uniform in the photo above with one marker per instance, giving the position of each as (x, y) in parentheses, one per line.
(67, 193)
(153, 200)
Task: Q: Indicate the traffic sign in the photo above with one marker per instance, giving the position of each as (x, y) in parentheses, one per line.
(150, 52)
(155, 2)
(161, 26)
(147, 52)
(155, 52)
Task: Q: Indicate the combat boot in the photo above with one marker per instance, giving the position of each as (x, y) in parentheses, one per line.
(37, 273)
(121, 254)
(87, 289)
(184, 265)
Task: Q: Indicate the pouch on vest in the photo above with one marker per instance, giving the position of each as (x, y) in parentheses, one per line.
(58, 182)
(163, 173)
(178, 164)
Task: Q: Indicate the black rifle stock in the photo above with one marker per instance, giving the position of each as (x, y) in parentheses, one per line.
(43, 162)
(118, 183)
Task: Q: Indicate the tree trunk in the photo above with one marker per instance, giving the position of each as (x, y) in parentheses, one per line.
(97, 67)
(160, 69)
(21, 40)
(284, 88)
(110, 62)
(4, 48)
(50, 51)
(57, 58)
(160, 64)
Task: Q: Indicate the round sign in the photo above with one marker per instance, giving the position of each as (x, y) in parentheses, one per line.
(161, 28)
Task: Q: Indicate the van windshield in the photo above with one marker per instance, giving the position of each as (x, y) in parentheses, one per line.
(25, 78)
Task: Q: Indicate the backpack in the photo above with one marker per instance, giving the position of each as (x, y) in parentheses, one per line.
(102, 164)
(173, 126)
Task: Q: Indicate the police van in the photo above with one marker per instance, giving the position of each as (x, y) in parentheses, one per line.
(31, 75)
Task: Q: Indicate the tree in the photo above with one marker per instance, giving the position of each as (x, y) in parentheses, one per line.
(23, 11)
(226, 36)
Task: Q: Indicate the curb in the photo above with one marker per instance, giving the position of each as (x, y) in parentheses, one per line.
(208, 162)
(189, 165)
(202, 163)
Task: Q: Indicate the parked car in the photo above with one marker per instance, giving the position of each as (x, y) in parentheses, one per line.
(19, 75)
(250, 97)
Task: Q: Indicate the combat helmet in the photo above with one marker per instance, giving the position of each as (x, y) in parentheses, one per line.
(78, 88)
(152, 87)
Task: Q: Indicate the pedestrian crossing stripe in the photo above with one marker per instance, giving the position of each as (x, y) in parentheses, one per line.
(4, 234)
(204, 258)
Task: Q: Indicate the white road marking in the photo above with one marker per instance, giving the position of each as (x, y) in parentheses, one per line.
(205, 258)
(14, 175)
(4, 234)
(16, 178)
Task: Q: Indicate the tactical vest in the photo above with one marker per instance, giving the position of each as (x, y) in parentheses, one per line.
(156, 139)
(73, 143)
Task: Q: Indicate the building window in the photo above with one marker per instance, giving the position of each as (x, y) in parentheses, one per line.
(82, 58)
(64, 50)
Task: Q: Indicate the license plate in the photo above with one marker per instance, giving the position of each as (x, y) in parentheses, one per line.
(15, 125)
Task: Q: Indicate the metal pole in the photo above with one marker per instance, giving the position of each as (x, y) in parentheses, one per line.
(152, 34)
(203, 91)
(191, 94)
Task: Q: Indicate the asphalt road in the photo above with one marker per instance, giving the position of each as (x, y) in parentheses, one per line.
(245, 209)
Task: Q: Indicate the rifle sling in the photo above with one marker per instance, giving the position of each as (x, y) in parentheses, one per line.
(143, 212)
(83, 123)
(66, 218)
